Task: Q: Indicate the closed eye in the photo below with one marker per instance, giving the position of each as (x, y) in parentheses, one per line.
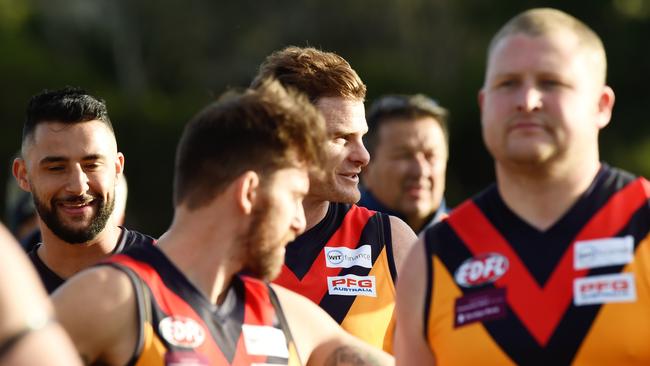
(55, 168)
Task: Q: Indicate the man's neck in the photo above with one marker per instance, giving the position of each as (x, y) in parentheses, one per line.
(315, 211)
(215, 257)
(541, 196)
(66, 259)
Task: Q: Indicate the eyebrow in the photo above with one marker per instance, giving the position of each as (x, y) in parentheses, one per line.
(61, 159)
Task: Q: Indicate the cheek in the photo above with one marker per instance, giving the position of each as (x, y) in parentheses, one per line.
(334, 155)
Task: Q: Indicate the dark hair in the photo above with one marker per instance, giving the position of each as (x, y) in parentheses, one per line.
(314, 72)
(406, 108)
(67, 105)
(263, 130)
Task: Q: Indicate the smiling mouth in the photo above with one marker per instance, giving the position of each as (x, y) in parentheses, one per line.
(352, 177)
(76, 207)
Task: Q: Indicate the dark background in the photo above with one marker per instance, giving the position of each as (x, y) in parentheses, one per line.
(158, 62)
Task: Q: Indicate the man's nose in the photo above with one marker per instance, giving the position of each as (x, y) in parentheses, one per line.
(77, 183)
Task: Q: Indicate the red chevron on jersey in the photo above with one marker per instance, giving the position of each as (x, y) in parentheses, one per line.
(314, 284)
(541, 308)
(172, 301)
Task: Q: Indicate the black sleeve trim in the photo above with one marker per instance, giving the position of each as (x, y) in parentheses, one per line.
(387, 237)
(282, 319)
(143, 303)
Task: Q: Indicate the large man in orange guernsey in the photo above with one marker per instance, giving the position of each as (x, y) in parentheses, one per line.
(551, 265)
(349, 257)
(241, 174)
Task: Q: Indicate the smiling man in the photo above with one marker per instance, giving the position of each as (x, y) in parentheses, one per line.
(551, 264)
(408, 140)
(70, 163)
(349, 257)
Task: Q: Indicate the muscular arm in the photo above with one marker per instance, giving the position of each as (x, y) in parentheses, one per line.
(320, 340)
(98, 309)
(403, 238)
(29, 334)
(410, 345)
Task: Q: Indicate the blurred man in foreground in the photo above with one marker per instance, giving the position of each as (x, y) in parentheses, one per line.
(29, 334)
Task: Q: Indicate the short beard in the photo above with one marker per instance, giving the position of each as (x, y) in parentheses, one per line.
(261, 255)
(71, 236)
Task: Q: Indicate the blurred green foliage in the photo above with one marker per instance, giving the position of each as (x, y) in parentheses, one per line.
(158, 62)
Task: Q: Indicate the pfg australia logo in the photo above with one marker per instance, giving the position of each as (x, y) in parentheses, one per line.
(604, 289)
(182, 331)
(351, 285)
(485, 268)
(342, 257)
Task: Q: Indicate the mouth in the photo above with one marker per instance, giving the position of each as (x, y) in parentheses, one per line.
(77, 207)
(526, 124)
(351, 177)
(416, 191)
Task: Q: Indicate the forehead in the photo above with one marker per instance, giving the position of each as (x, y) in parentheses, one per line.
(343, 115)
(71, 140)
(423, 132)
(555, 53)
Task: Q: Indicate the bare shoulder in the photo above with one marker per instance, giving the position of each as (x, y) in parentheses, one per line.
(410, 345)
(320, 340)
(105, 326)
(403, 239)
(103, 285)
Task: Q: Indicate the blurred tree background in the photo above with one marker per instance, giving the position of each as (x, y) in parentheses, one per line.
(157, 62)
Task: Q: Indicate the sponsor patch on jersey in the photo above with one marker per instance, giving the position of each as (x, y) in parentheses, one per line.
(482, 306)
(603, 289)
(482, 269)
(342, 257)
(264, 340)
(351, 285)
(185, 359)
(182, 331)
(603, 252)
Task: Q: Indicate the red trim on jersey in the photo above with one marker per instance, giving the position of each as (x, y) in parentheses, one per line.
(314, 284)
(256, 293)
(541, 309)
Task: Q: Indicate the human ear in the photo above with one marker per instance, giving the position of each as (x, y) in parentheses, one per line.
(246, 191)
(19, 169)
(605, 106)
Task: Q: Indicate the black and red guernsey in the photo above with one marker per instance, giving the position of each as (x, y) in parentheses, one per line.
(179, 325)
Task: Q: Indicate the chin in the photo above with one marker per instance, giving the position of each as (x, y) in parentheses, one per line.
(349, 196)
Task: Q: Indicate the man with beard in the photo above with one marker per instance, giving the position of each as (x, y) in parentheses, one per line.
(348, 259)
(70, 163)
(240, 176)
(550, 265)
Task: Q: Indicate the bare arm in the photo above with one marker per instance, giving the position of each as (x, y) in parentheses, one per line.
(29, 335)
(320, 340)
(403, 239)
(98, 309)
(410, 344)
